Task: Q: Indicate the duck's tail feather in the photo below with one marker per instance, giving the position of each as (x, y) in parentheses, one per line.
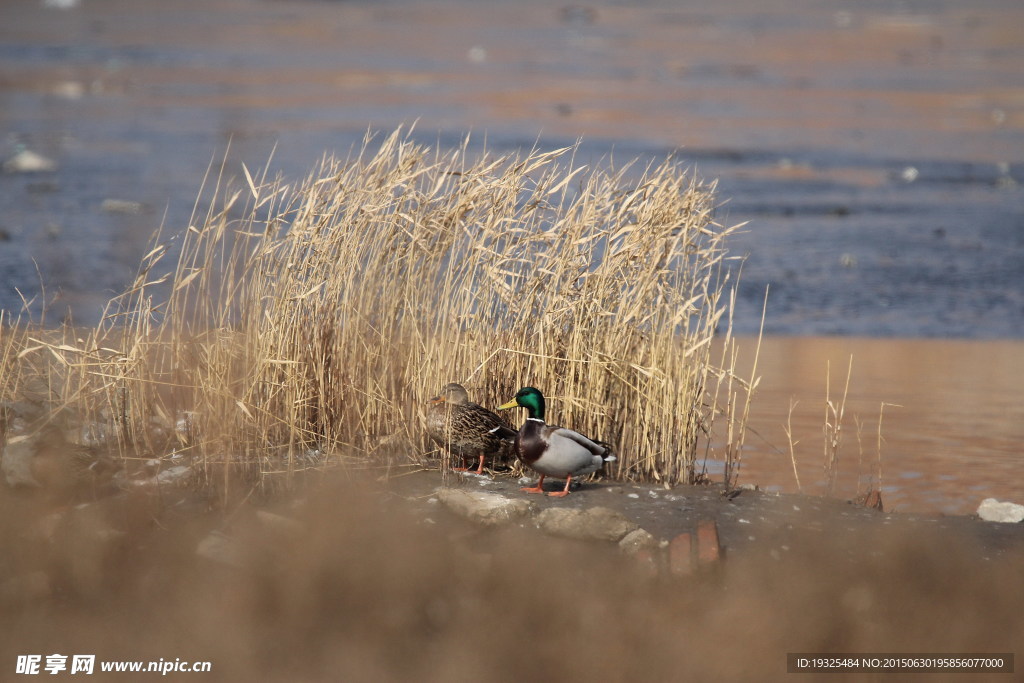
(503, 433)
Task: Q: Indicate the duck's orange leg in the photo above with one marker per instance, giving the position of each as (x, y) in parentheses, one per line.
(480, 468)
(463, 468)
(564, 492)
(539, 488)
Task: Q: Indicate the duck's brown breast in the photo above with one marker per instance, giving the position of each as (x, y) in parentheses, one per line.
(530, 443)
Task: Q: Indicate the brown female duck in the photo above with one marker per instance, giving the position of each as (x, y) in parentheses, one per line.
(466, 429)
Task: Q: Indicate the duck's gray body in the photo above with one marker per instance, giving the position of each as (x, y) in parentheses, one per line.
(559, 452)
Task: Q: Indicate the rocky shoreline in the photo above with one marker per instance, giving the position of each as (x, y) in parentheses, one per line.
(745, 521)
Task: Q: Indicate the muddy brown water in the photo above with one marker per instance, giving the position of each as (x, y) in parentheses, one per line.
(876, 150)
(952, 430)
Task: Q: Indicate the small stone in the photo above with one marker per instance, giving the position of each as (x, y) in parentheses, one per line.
(121, 206)
(992, 510)
(27, 161)
(16, 462)
(477, 54)
(173, 475)
(482, 507)
(592, 524)
(69, 90)
(636, 541)
(177, 474)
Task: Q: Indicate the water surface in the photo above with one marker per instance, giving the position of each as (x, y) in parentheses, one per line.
(876, 149)
(952, 429)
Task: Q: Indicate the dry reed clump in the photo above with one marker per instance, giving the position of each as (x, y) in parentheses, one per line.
(315, 318)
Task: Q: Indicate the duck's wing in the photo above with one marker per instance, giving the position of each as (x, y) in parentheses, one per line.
(489, 422)
(568, 453)
(596, 448)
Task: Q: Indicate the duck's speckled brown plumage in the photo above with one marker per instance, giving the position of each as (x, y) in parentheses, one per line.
(465, 428)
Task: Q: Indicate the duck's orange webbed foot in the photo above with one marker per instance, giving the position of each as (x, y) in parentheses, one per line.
(539, 488)
(564, 492)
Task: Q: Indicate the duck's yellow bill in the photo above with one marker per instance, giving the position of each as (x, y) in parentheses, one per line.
(510, 404)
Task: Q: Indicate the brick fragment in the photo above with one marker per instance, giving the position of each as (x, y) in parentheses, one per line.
(680, 551)
(708, 550)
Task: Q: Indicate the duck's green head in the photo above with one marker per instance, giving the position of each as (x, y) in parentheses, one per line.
(528, 398)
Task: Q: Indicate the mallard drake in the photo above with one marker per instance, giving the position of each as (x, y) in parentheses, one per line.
(553, 451)
(466, 429)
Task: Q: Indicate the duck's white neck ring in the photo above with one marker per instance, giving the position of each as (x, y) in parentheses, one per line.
(535, 419)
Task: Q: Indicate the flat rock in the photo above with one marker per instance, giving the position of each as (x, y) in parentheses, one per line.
(591, 524)
(482, 507)
(16, 462)
(992, 510)
(178, 474)
(636, 541)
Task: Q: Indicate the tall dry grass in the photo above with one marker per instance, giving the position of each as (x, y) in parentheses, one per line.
(306, 322)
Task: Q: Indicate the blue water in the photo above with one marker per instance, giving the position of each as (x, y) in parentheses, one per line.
(875, 232)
